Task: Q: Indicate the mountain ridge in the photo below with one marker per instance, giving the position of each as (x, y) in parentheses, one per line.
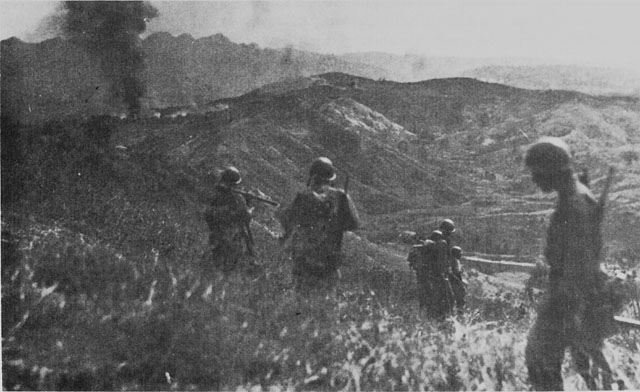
(183, 71)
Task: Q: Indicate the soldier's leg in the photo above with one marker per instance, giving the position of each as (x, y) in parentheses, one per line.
(581, 356)
(433, 299)
(458, 293)
(442, 299)
(601, 362)
(462, 292)
(581, 360)
(423, 294)
(544, 353)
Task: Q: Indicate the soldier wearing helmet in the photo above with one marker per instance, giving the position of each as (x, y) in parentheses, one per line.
(456, 279)
(447, 227)
(314, 225)
(228, 217)
(574, 314)
(430, 262)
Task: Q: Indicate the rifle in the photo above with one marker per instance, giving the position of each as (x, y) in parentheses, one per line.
(627, 321)
(251, 196)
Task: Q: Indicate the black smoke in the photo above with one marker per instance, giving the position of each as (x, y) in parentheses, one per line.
(110, 32)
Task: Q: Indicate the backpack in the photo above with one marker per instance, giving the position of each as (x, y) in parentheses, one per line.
(317, 234)
(422, 258)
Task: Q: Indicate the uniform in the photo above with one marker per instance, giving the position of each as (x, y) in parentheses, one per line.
(575, 313)
(455, 277)
(430, 261)
(314, 225)
(228, 218)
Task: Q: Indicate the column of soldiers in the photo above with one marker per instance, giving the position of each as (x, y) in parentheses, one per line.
(579, 305)
(441, 287)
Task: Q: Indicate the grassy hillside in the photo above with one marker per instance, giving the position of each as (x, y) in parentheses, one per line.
(103, 288)
(104, 278)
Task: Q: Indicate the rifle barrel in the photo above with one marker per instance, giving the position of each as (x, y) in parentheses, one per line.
(256, 197)
(627, 321)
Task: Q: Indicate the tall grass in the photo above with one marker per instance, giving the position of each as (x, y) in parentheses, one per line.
(107, 287)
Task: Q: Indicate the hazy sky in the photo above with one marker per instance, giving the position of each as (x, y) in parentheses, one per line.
(589, 32)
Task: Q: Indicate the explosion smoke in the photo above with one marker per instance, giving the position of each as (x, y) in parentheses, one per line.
(110, 32)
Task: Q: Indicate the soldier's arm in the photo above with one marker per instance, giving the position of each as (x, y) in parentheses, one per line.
(349, 218)
(287, 215)
(414, 256)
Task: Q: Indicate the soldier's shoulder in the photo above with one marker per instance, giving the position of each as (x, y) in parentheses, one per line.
(308, 197)
(424, 244)
(332, 191)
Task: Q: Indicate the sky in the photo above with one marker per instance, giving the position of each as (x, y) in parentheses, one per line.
(582, 32)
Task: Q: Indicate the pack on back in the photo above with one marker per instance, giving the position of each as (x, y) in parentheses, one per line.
(317, 232)
(422, 258)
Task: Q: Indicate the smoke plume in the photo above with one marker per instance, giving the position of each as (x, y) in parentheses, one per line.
(110, 32)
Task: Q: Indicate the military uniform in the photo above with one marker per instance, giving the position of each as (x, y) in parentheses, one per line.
(228, 218)
(430, 261)
(455, 277)
(421, 261)
(575, 313)
(314, 225)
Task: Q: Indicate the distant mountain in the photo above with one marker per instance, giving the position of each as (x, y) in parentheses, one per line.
(590, 80)
(517, 72)
(414, 68)
(55, 78)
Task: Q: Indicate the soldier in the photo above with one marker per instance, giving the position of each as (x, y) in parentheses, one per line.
(228, 218)
(457, 282)
(430, 262)
(314, 225)
(575, 313)
(447, 228)
(419, 259)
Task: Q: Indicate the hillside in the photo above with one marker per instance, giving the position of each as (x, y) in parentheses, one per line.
(102, 224)
(466, 153)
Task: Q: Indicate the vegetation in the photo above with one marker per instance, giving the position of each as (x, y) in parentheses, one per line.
(105, 286)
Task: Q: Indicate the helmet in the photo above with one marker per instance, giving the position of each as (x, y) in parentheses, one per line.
(435, 235)
(323, 168)
(230, 176)
(549, 153)
(447, 226)
(456, 251)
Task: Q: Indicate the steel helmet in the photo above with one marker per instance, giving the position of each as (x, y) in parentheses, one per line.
(323, 168)
(549, 153)
(435, 235)
(230, 176)
(447, 226)
(456, 251)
